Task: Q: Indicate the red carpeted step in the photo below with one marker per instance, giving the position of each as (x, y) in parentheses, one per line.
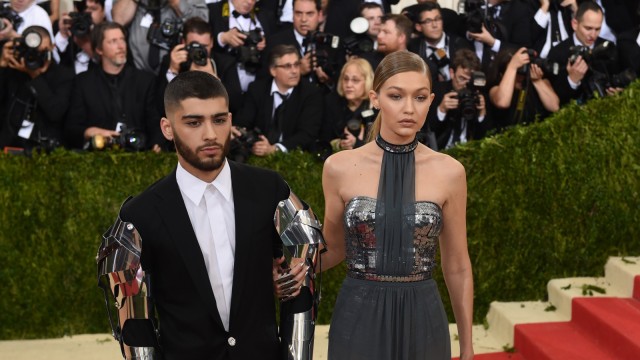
(497, 356)
(556, 341)
(636, 287)
(615, 322)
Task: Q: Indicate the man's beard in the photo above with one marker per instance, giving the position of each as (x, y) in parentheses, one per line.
(191, 157)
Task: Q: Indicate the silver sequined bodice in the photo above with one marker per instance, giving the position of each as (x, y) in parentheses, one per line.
(360, 239)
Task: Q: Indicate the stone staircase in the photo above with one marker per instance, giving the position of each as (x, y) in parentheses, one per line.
(585, 318)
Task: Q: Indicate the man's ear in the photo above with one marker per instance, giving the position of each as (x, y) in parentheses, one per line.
(167, 129)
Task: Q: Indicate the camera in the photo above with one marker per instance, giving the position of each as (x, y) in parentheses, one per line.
(476, 15)
(6, 12)
(165, 35)
(324, 47)
(80, 23)
(548, 68)
(248, 54)
(128, 140)
(358, 42)
(240, 147)
(197, 53)
(469, 96)
(598, 83)
(26, 47)
(363, 118)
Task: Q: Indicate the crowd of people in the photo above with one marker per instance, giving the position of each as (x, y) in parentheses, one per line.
(299, 72)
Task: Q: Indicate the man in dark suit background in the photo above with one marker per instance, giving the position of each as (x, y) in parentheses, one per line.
(435, 46)
(341, 12)
(287, 111)
(211, 274)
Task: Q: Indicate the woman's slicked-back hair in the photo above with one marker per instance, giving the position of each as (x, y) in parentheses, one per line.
(193, 84)
(396, 63)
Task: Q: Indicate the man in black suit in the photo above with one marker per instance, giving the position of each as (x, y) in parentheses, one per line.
(394, 35)
(453, 22)
(73, 43)
(341, 12)
(211, 274)
(113, 96)
(435, 46)
(552, 24)
(573, 79)
(34, 95)
(287, 111)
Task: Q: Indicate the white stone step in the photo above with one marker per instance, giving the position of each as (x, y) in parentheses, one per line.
(621, 272)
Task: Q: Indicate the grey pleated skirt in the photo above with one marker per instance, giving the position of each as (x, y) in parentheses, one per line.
(389, 321)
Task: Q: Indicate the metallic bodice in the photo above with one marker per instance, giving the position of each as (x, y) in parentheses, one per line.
(360, 239)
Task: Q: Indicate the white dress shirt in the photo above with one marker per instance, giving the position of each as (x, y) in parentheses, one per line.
(35, 15)
(442, 44)
(211, 211)
(277, 100)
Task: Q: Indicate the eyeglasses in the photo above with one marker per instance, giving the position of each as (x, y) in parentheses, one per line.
(288, 66)
(428, 21)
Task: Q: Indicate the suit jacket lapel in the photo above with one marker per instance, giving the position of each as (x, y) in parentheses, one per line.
(173, 211)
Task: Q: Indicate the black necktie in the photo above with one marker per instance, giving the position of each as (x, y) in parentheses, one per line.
(494, 12)
(273, 134)
(236, 14)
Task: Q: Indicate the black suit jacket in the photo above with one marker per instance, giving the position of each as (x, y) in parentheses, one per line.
(91, 105)
(190, 325)
(560, 54)
(539, 34)
(456, 43)
(340, 13)
(629, 51)
(302, 113)
(452, 22)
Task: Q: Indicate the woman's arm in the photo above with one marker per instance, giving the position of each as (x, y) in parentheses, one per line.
(548, 96)
(456, 265)
(332, 229)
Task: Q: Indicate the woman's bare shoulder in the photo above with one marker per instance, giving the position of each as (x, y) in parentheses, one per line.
(442, 164)
(346, 159)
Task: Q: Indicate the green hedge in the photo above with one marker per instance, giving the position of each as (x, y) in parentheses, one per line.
(550, 200)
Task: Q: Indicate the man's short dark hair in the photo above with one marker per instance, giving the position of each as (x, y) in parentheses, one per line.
(193, 84)
(428, 6)
(281, 50)
(403, 24)
(318, 3)
(587, 6)
(369, 5)
(195, 25)
(100, 2)
(465, 58)
(97, 33)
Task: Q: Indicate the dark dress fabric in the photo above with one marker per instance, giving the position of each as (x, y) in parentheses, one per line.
(380, 316)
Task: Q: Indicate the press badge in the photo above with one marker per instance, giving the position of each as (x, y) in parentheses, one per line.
(146, 21)
(25, 129)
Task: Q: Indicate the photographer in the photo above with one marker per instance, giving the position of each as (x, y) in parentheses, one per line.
(114, 102)
(433, 45)
(348, 114)
(394, 35)
(518, 91)
(153, 26)
(552, 24)
(453, 23)
(73, 41)
(193, 52)
(363, 40)
(35, 92)
(240, 31)
(18, 15)
(286, 111)
(340, 13)
(573, 80)
(458, 110)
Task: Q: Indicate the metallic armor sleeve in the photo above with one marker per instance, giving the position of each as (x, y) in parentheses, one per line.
(301, 236)
(127, 290)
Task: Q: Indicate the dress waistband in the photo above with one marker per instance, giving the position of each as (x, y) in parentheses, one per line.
(388, 278)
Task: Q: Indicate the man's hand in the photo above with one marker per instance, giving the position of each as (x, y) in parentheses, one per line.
(544, 5)
(178, 56)
(482, 109)
(321, 75)
(535, 72)
(287, 282)
(8, 32)
(520, 58)
(571, 3)
(7, 53)
(64, 25)
(93, 131)
(235, 132)
(348, 140)
(262, 147)
(21, 66)
(233, 38)
(613, 90)
(449, 102)
(577, 70)
(484, 37)
(262, 44)
(306, 64)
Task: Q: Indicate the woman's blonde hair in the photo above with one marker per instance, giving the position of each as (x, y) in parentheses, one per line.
(365, 69)
(393, 64)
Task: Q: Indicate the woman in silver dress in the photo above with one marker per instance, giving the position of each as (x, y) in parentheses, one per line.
(389, 230)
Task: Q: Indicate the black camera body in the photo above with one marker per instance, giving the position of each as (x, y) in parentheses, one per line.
(324, 47)
(357, 44)
(548, 67)
(80, 23)
(248, 54)
(197, 53)
(240, 147)
(361, 119)
(26, 48)
(7, 12)
(129, 140)
(469, 96)
(165, 35)
(476, 16)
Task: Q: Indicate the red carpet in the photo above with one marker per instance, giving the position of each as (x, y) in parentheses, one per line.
(601, 328)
